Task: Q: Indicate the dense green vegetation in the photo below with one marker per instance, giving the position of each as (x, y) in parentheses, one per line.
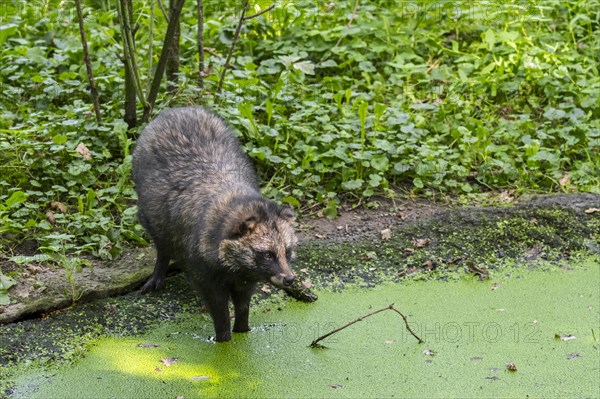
(426, 98)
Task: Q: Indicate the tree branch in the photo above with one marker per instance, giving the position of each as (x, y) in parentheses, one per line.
(162, 8)
(349, 22)
(258, 14)
(88, 63)
(314, 344)
(233, 42)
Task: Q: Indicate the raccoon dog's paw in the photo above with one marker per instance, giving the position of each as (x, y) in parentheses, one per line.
(153, 284)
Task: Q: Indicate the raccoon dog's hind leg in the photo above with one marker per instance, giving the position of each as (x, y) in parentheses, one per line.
(157, 280)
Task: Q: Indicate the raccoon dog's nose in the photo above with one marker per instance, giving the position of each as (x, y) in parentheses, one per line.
(288, 280)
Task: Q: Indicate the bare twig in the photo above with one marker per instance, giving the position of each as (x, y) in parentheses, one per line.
(162, 8)
(88, 63)
(314, 344)
(406, 324)
(236, 35)
(162, 61)
(201, 45)
(349, 22)
(258, 14)
(151, 41)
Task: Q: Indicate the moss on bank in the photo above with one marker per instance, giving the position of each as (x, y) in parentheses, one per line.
(448, 242)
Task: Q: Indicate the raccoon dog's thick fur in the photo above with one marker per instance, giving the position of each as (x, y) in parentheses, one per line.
(199, 200)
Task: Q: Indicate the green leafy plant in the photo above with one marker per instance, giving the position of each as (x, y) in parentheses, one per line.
(414, 98)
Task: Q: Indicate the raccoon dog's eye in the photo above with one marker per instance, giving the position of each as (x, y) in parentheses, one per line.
(268, 255)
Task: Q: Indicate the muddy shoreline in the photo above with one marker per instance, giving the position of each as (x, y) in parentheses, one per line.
(543, 226)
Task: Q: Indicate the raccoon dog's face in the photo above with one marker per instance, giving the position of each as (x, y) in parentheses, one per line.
(261, 245)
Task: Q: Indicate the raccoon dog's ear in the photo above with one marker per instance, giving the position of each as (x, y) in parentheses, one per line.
(286, 213)
(245, 227)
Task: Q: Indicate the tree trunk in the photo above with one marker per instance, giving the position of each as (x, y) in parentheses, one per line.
(130, 98)
(173, 58)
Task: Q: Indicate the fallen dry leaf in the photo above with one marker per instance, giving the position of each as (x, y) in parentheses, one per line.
(566, 179)
(507, 196)
(534, 252)
(83, 150)
(420, 242)
(407, 271)
(567, 337)
(336, 386)
(454, 260)
(592, 210)
(428, 265)
(386, 234)
(146, 346)
(34, 269)
(389, 341)
(169, 361)
(50, 218)
(207, 72)
(266, 289)
(200, 378)
(428, 352)
(307, 283)
(158, 370)
(482, 273)
(497, 285)
(58, 206)
(401, 215)
(409, 251)
(511, 367)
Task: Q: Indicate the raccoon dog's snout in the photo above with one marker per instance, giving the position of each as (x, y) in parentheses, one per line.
(283, 280)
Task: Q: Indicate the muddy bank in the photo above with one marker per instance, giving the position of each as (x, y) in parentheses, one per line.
(362, 246)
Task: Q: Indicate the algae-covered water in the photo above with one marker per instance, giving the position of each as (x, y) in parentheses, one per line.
(472, 329)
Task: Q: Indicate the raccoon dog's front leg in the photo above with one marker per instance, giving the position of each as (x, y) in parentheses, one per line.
(240, 296)
(217, 301)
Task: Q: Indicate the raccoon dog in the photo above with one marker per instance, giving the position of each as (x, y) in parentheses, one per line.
(199, 200)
